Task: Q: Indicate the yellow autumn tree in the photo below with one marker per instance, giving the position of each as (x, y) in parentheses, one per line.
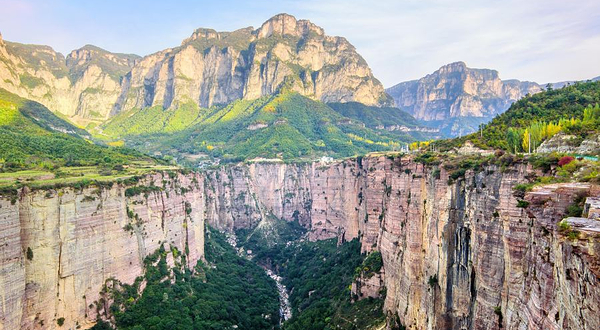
(525, 143)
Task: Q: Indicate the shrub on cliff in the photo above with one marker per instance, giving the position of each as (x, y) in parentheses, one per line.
(370, 266)
(565, 160)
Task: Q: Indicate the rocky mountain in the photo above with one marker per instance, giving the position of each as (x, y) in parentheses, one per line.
(562, 84)
(208, 68)
(457, 91)
(218, 67)
(457, 254)
(82, 86)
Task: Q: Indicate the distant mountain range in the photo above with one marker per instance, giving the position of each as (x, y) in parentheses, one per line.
(230, 80)
(249, 93)
(562, 84)
(208, 68)
(456, 99)
(457, 91)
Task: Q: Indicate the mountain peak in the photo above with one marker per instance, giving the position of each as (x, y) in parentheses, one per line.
(285, 24)
(210, 67)
(202, 33)
(455, 90)
(457, 64)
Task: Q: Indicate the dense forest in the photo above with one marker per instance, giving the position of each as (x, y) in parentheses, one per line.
(285, 125)
(31, 136)
(318, 276)
(226, 292)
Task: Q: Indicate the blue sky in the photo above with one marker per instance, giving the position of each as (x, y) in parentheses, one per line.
(534, 40)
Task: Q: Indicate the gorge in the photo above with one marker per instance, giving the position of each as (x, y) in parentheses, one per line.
(264, 179)
(458, 255)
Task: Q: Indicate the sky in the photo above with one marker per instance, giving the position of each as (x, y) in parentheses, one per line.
(541, 41)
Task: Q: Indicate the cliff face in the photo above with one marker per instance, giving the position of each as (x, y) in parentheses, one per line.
(209, 67)
(459, 256)
(458, 91)
(59, 247)
(219, 67)
(455, 256)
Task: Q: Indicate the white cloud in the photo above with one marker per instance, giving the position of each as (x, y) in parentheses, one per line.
(535, 40)
(530, 40)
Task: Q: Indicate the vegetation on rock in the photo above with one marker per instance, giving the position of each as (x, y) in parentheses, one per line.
(318, 276)
(572, 109)
(33, 137)
(286, 125)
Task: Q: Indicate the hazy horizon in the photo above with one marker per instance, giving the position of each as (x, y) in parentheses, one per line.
(401, 40)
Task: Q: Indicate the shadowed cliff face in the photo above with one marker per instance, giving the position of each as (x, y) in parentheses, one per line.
(458, 256)
(209, 68)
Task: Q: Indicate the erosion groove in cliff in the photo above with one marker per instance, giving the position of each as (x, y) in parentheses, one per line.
(457, 254)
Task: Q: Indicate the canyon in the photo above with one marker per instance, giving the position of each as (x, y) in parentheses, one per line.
(462, 254)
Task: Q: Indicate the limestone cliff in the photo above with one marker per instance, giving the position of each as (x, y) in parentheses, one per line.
(456, 254)
(208, 68)
(60, 246)
(218, 67)
(458, 91)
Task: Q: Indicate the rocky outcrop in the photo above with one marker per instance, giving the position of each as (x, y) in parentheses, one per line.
(219, 67)
(209, 68)
(458, 254)
(458, 91)
(572, 144)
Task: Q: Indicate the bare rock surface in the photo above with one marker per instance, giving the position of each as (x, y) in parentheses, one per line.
(209, 67)
(456, 90)
(455, 256)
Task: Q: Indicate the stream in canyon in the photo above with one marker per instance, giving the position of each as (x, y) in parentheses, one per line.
(285, 309)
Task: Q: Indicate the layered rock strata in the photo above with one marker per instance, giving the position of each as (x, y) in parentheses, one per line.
(456, 256)
(456, 90)
(60, 246)
(462, 254)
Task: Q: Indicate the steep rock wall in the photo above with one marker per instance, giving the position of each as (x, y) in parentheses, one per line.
(60, 246)
(213, 67)
(456, 256)
(455, 90)
(208, 68)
